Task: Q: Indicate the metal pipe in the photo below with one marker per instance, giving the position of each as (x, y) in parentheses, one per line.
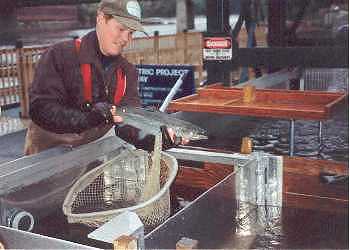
(320, 125)
(291, 137)
(173, 91)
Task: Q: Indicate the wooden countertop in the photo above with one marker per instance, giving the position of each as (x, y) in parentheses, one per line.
(286, 104)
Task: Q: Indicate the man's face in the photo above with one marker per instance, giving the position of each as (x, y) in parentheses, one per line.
(112, 35)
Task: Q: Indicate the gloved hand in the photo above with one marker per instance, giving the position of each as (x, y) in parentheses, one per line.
(146, 141)
(170, 139)
(100, 113)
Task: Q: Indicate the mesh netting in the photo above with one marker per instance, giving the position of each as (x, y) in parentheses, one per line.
(122, 184)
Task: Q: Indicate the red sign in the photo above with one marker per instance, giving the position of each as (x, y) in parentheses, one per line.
(217, 43)
(217, 48)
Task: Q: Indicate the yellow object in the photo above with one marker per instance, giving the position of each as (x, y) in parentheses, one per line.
(125, 242)
(247, 145)
(249, 93)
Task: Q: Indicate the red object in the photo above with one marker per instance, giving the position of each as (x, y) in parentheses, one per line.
(85, 70)
(285, 104)
(217, 43)
(120, 86)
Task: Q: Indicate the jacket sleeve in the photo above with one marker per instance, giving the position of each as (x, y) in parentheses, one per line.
(49, 105)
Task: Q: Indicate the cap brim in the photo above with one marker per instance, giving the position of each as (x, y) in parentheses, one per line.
(130, 23)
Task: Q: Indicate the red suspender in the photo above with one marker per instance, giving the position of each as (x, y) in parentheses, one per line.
(120, 86)
(85, 70)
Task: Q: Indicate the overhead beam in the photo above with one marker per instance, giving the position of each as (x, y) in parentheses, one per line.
(30, 3)
(322, 57)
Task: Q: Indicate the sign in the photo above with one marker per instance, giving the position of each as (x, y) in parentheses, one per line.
(156, 81)
(217, 48)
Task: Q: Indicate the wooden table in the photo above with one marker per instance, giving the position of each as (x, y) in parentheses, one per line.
(268, 103)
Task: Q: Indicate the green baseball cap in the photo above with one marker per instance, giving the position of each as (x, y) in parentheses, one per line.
(126, 12)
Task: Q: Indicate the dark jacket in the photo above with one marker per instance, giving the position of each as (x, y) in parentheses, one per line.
(56, 96)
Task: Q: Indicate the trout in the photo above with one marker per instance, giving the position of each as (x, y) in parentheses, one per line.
(153, 120)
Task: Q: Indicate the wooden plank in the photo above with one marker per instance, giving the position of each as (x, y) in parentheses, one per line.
(202, 178)
(9, 90)
(315, 203)
(302, 187)
(191, 182)
(330, 107)
(213, 105)
(278, 96)
(313, 167)
(302, 175)
(313, 187)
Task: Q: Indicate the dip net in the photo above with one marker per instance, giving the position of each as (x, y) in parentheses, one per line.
(135, 180)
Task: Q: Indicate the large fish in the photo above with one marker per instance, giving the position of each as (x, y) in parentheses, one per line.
(152, 120)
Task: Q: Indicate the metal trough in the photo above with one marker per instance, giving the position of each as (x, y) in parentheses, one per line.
(39, 183)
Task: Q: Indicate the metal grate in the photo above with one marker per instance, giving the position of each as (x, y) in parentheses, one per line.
(325, 79)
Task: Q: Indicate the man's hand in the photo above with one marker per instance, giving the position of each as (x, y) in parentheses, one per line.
(175, 139)
(116, 117)
(170, 139)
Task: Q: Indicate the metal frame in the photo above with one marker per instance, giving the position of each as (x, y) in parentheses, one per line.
(31, 3)
(35, 168)
(292, 136)
(337, 57)
(17, 239)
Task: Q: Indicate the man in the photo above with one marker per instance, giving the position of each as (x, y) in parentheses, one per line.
(78, 83)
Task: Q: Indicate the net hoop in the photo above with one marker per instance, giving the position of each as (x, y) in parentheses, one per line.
(93, 218)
